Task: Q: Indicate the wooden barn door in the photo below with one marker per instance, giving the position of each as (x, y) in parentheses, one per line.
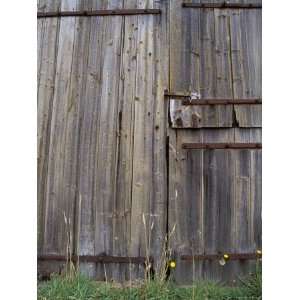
(214, 194)
(101, 134)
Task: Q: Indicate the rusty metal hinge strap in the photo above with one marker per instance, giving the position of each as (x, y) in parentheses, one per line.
(221, 101)
(221, 145)
(231, 256)
(97, 259)
(188, 100)
(223, 5)
(104, 12)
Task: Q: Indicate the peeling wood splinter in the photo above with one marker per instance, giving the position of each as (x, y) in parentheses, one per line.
(104, 12)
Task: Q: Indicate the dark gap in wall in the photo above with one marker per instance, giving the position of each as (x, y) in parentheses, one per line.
(235, 122)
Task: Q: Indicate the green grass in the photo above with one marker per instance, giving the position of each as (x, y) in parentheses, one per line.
(81, 288)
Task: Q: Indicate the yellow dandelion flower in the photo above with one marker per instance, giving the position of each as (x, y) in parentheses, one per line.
(172, 264)
(226, 256)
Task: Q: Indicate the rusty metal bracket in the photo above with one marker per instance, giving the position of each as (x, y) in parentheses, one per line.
(97, 259)
(104, 12)
(221, 145)
(232, 256)
(221, 101)
(186, 100)
(225, 4)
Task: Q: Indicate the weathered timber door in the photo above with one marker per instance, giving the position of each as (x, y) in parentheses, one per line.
(214, 194)
(101, 135)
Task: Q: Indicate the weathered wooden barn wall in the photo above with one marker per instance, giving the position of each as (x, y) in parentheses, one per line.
(110, 143)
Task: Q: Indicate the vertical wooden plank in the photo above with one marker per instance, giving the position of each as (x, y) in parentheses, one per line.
(177, 56)
(87, 173)
(60, 185)
(88, 141)
(47, 40)
(177, 206)
(253, 135)
(125, 132)
(40, 41)
(247, 208)
(223, 66)
(106, 145)
(256, 197)
(208, 63)
(87, 132)
(183, 36)
(242, 207)
(142, 188)
(160, 75)
(193, 194)
(246, 64)
(74, 114)
(187, 71)
(47, 51)
(218, 203)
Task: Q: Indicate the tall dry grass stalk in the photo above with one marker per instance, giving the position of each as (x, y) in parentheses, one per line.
(162, 264)
(78, 233)
(166, 254)
(148, 265)
(193, 286)
(70, 270)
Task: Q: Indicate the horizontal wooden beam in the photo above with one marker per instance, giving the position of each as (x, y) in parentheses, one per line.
(221, 146)
(232, 256)
(96, 259)
(223, 5)
(104, 12)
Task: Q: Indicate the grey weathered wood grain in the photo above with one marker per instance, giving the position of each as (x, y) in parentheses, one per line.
(111, 79)
(253, 206)
(247, 209)
(89, 107)
(223, 188)
(246, 64)
(46, 5)
(60, 194)
(47, 51)
(107, 139)
(198, 232)
(102, 132)
(201, 64)
(125, 132)
(160, 61)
